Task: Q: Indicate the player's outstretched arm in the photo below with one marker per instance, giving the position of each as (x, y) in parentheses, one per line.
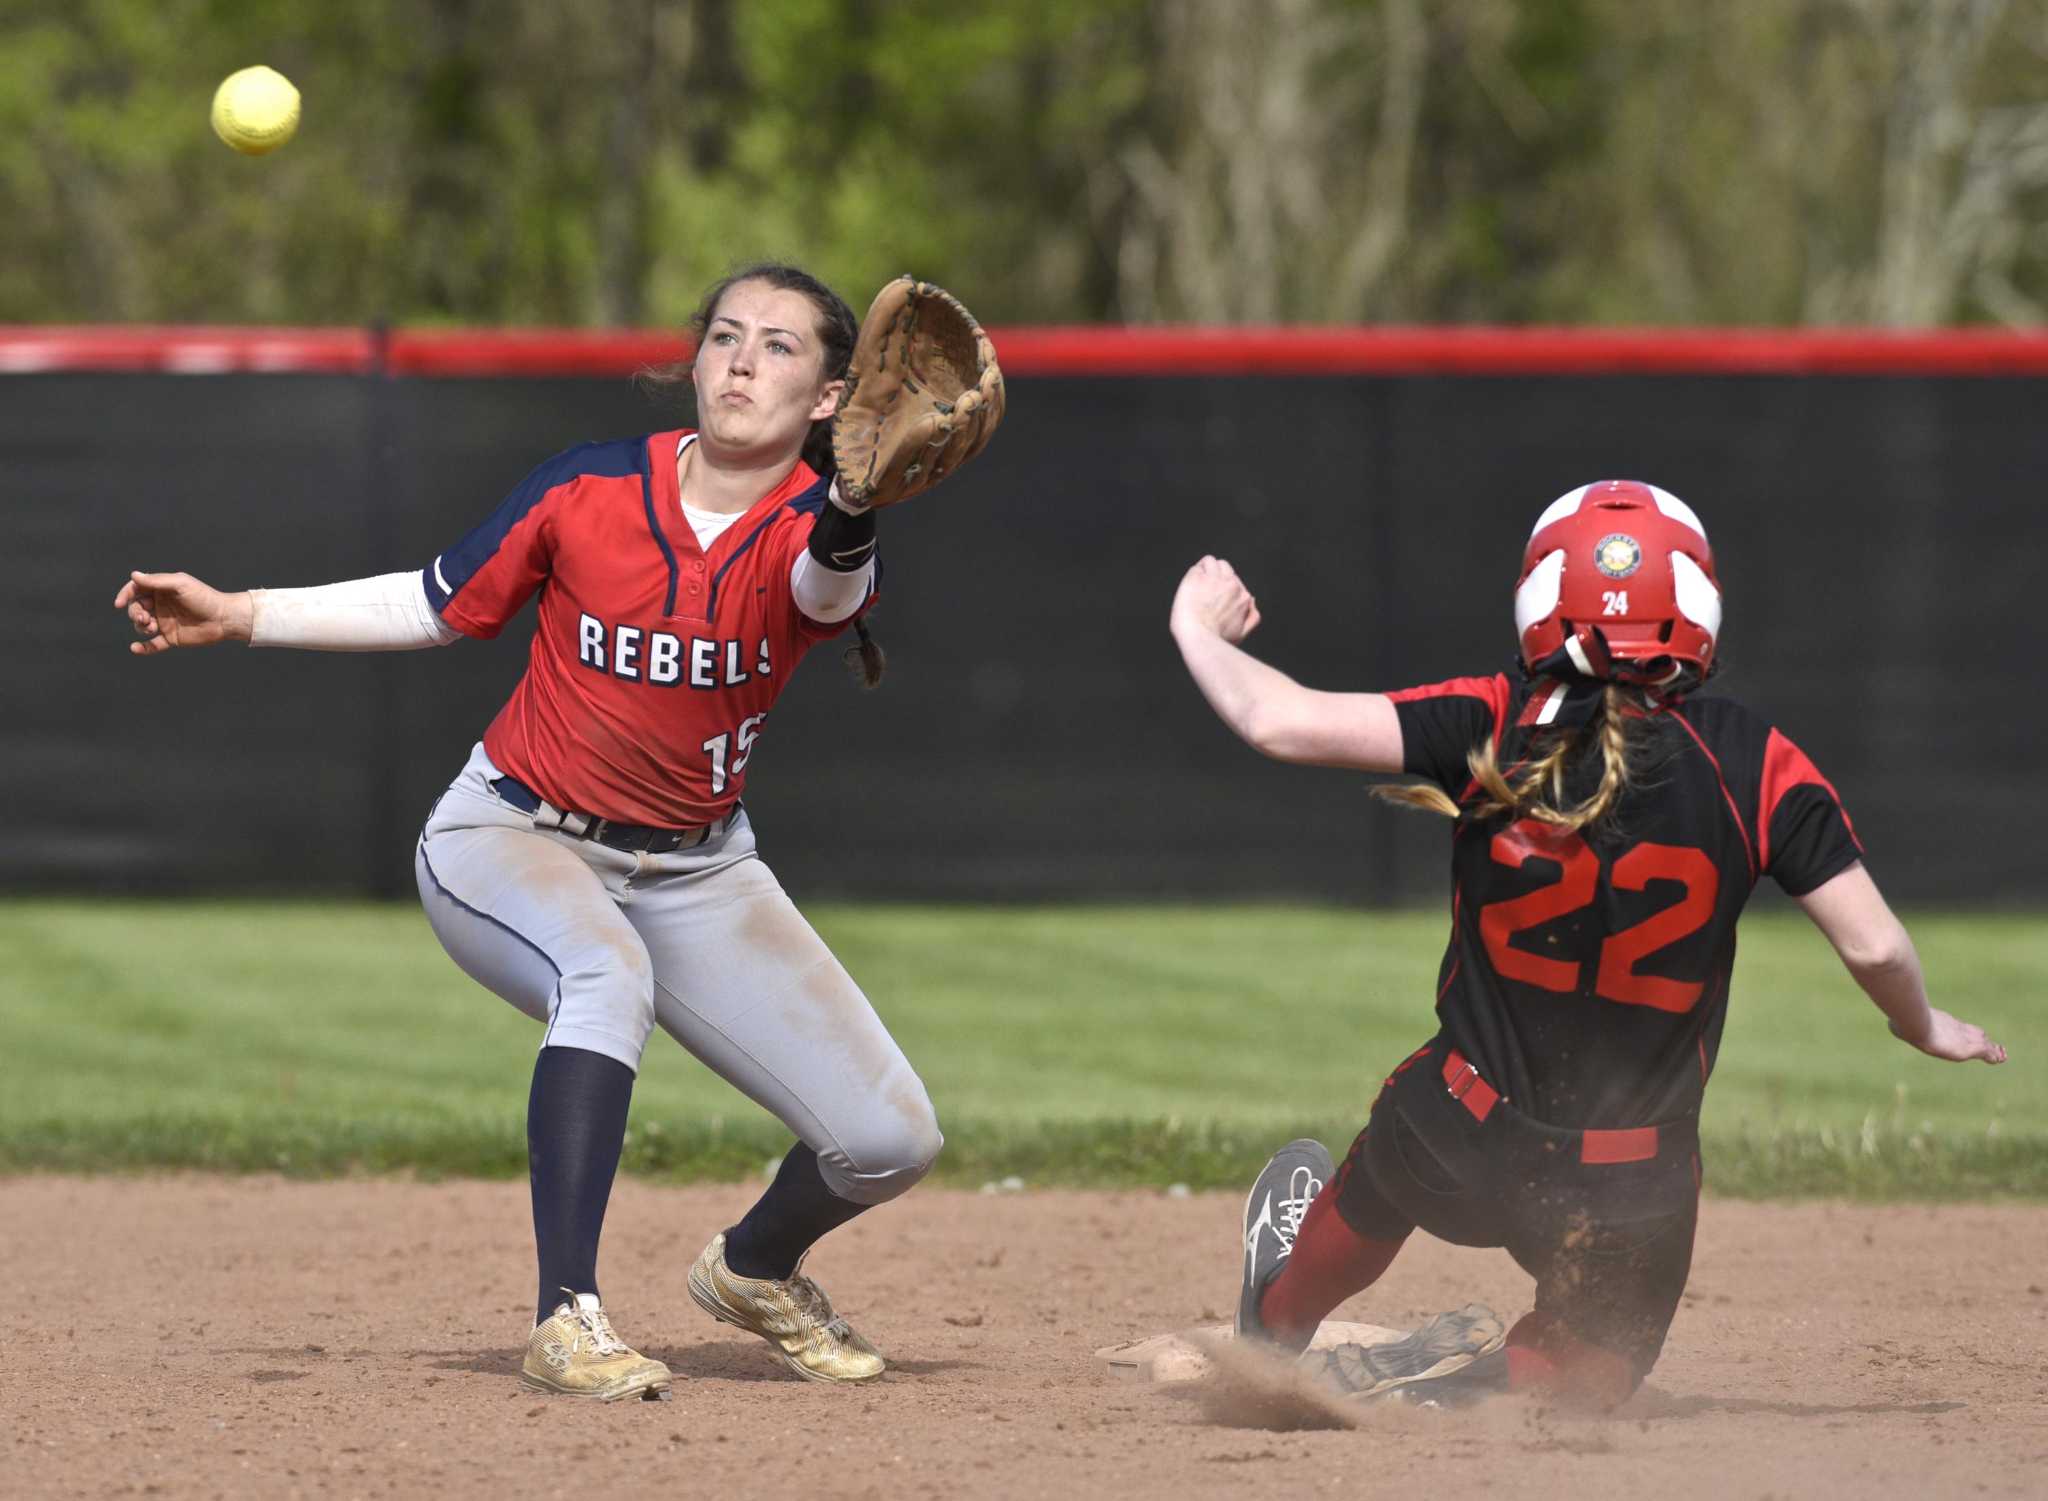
(390, 612)
(1876, 949)
(1212, 613)
(175, 609)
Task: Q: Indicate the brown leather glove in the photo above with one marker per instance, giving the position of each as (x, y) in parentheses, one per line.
(923, 396)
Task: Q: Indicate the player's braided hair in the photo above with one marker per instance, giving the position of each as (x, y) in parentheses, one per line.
(838, 330)
(1537, 788)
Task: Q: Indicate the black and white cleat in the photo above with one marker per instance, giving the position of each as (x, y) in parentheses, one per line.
(1454, 1360)
(1273, 1212)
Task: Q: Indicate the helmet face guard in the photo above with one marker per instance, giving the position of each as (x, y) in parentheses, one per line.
(1618, 584)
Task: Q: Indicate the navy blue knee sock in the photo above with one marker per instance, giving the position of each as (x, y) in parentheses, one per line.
(575, 1126)
(795, 1212)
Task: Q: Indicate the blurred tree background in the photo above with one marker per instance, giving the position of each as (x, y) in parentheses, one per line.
(527, 161)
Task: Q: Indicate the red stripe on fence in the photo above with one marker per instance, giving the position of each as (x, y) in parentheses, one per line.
(530, 351)
(1516, 351)
(1162, 351)
(183, 350)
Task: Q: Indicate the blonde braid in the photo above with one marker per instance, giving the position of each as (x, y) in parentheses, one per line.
(1426, 796)
(1523, 798)
(1613, 755)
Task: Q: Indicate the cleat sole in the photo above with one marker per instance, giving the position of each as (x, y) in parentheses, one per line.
(645, 1391)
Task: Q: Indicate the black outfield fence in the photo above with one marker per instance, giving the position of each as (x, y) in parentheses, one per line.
(1875, 504)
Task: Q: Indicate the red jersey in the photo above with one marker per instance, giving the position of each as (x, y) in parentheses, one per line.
(654, 663)
(1587, 974)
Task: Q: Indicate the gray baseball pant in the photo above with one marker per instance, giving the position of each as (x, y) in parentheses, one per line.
(601, 944)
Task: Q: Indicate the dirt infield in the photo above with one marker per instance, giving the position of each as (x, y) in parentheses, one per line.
(198, 1336)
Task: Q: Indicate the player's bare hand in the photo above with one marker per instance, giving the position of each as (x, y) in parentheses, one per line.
(176, 609)
(1212, 597)
(1957, 1041)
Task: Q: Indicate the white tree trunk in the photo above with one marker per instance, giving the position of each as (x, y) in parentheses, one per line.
(1276, 184)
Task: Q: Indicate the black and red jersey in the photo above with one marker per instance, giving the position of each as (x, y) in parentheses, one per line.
(1587, 974)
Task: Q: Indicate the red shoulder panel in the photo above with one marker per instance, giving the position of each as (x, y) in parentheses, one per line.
(498, 567)
(1493, 691)
(1786, 766)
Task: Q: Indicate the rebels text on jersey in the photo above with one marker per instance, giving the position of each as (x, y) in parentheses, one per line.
(654, 663)
(1587, 974)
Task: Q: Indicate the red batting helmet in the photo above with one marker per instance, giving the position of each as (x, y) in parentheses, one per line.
(1630, 562)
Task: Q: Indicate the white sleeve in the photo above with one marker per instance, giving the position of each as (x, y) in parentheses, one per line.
(386, 613)
(825, 595)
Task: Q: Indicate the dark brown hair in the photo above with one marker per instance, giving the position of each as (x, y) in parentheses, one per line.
(837, 331)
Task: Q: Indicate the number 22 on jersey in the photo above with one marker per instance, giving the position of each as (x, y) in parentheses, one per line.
(1577, 883)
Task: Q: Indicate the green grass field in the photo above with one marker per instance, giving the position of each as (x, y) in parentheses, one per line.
(1076, 1045)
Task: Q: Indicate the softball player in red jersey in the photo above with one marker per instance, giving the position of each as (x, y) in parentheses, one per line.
(1609, 828)
(593, 863)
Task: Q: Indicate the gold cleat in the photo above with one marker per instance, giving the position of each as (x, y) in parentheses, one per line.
(575, 1353)
(795, 1317)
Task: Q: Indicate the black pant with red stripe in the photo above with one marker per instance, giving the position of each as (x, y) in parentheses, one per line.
(1603, 1220)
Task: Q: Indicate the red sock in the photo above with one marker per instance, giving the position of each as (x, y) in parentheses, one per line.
(1545, 1359)
(1330, 1261)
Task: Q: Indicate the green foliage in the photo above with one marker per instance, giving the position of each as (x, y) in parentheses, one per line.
(1646, 161)
(1876, 1162)
(1879, 1165)
(1133, 1046)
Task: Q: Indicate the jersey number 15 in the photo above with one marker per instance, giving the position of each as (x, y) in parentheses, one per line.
(1577, 883)
(719, 749)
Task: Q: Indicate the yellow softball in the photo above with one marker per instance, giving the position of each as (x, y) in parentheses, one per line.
(256, 110)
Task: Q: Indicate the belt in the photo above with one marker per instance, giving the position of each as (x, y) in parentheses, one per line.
(1638, 1144)
(633, 838)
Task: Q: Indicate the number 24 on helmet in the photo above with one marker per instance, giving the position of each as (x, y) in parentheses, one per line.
(1629, 562)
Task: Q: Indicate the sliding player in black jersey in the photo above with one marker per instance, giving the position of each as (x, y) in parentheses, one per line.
(1608, 829)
